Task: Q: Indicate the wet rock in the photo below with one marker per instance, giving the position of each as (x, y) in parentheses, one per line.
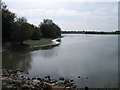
(86, 88)
(46, 87)
(47, 77)
(33, 78)
(27, 73)
(34, 82)
(9, 86)
(28, 78)
(61, 78)
(66, 82)
(17, 84)
(22, 82)
(68, 88)
(47, 81)
(42, 79)
(14, 71)
(72, 80)
(73, 87)
(61, 83)
(69, 84)
(54, 81)
(25, 86)
(39, 79)
(16, 81)
(21, 70)
(22, 76)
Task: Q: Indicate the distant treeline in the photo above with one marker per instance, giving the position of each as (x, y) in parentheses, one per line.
(17, 29)
(89, 32)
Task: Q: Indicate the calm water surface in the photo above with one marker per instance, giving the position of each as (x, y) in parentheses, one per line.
(92, 56)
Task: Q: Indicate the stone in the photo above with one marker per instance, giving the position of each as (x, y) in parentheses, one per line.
(54, 81)
(46, 87)
(66, 81)
(71, 80)
(27, 73)
(78, 76)
(69, 84)
(68, 88)
(25, 86)
(28, 78)
(17, 81)
(22, 76)
(86, 88)
(61, 78)
(33, 78)
(34, 82)
(39, 79)
(73, 86)
(47, 77)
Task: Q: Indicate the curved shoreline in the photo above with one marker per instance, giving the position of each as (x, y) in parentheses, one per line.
(54, 42)
(51, 44)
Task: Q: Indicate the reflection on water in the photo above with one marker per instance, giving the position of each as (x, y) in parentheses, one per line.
(16, 60)
(92, 56)
(48, 54)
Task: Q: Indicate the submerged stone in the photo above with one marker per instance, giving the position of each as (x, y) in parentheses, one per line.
(61, 78)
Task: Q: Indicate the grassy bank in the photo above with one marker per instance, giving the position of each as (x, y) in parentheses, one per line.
(42, 41)
(11, 45)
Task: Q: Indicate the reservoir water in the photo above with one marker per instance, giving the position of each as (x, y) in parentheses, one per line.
(92, 57)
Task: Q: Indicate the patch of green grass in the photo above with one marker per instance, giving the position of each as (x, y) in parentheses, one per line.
(42, 41)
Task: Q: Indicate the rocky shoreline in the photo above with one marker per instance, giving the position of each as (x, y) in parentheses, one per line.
(15, 80)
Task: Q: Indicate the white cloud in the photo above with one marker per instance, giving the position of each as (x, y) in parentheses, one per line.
(115, 10)
(103, 10)
(50, 1)
(97, 17)
(66, 12)
(86, 15)
(45, 12)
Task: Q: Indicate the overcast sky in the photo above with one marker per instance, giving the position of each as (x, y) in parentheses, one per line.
(69, 14)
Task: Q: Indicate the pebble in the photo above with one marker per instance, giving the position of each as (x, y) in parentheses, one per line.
(71, 80)
(18, 81)
(73, 86)
(38, 78)
(69, 84)
(86, 88)
(48, 77)
(61, 78)
(66, 82)
(78, 76)
(27, 73)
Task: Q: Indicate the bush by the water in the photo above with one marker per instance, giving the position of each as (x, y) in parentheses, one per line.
(49, 29)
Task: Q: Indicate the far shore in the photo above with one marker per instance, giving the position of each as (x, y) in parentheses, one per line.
(92, 32)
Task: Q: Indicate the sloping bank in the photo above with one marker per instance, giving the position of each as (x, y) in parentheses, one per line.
(54, 42)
